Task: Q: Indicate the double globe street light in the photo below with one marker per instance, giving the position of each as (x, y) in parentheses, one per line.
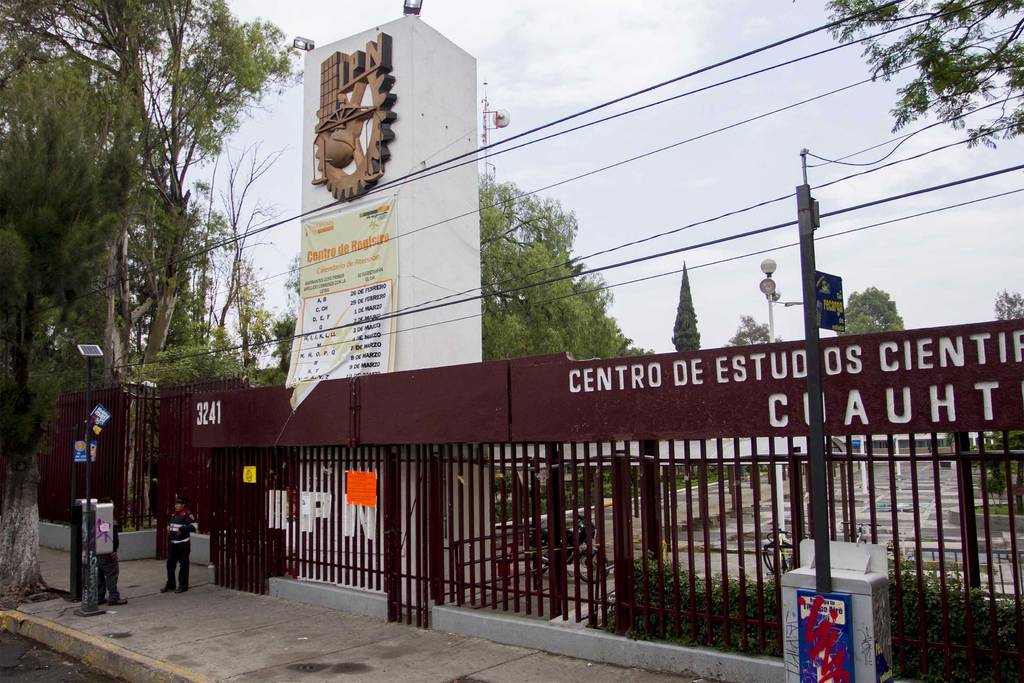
(771, 292)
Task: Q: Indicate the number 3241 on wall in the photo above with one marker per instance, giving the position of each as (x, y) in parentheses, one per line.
(208, 413)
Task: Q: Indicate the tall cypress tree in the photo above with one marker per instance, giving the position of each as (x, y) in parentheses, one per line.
(685, 335)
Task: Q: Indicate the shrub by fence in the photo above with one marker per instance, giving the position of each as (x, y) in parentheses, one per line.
(692, 611)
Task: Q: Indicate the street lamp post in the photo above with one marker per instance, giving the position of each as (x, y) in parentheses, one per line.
(772, 294)
(89, 608)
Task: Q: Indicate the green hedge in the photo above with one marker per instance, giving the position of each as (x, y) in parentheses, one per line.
(982, 636)
(648, 591)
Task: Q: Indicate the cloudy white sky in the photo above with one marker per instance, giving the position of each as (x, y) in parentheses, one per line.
(545, 59)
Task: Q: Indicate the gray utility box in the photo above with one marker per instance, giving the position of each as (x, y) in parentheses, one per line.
(859, 570)
(103, 527)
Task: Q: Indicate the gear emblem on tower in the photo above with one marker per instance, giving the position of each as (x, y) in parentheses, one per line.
(354, 119)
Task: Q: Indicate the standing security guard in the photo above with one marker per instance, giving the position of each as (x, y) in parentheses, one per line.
(179, 529)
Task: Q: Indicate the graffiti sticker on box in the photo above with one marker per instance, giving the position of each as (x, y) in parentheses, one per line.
(825, 637)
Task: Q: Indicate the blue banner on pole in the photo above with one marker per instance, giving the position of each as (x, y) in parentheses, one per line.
(79, 449)
(825, 636)
(831, 310)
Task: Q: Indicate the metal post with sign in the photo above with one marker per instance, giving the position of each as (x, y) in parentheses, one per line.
(98, 418)
(820, 645)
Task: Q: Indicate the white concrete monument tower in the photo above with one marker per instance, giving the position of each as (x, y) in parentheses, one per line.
(378, 106)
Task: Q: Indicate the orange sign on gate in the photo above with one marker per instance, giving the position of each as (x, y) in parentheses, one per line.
(361, 488)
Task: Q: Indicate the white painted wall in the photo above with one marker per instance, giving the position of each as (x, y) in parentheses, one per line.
(435, 82)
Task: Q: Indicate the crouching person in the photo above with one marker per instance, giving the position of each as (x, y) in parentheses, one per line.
(108, 568)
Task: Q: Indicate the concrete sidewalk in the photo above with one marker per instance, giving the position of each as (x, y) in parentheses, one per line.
(211, 633)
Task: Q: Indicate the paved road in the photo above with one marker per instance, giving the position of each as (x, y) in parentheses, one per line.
(26, 661)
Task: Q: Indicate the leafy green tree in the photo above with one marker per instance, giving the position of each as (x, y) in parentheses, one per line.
(283, 330)
(200, 362)
(61, 186)
(186, 72)
(526, 239)
(1009, 305)
(960, 57)
(750, 332)
(685, 335)
(872, 310)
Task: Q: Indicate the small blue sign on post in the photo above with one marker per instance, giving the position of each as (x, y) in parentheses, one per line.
(80, 450)
(831, 310)
(825, 636)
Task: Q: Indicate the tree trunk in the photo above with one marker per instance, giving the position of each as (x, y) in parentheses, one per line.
(19, 524)
(115, 332)
(165, 302)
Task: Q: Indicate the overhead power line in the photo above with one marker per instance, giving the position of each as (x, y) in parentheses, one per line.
(471, 156)
(817, 238)
(759, 252)
(903, 139)
(608, 167)
(611, 266)
(657, 150)
(427, 305)
(437, 167)
(579, 259)
(677, 271)
(433, 168)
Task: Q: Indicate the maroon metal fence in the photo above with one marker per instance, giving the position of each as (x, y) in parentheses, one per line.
(125, 453)
(245, 549)
(665, 539)
(144, 458)
(659, 496)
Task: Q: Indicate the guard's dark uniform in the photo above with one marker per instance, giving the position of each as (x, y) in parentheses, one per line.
(179, 530)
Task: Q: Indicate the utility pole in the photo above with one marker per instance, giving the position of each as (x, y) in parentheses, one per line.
(807, 213)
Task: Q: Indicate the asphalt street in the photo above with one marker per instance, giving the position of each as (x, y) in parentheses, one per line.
(26, 661)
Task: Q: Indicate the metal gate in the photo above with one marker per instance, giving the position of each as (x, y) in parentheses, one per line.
(246, 546)
(285, 512)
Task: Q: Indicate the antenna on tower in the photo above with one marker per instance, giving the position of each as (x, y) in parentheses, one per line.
(492, 120)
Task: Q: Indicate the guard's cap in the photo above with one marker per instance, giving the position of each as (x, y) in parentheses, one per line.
(181, 499)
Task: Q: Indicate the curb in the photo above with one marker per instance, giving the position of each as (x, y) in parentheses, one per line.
(109, 658)
(599, 646)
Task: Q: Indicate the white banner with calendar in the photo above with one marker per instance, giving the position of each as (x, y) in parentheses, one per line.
(347, 291)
